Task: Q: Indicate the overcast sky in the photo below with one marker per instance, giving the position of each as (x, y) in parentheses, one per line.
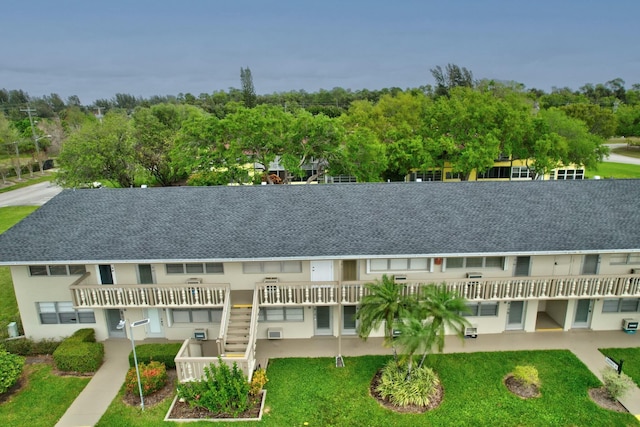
(95, 49)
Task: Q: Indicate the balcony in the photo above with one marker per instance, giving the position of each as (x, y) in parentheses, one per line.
(477, 289)
(191, 294)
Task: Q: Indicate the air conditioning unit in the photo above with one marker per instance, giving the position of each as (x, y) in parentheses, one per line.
(474, 275)
(399, 278)
(274, 333)
(630, 324)
(471, 331)
(194, 281)
(270, 280)
(635, 271)
(200, 334)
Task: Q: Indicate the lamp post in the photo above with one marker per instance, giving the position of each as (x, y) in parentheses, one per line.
(135, 324)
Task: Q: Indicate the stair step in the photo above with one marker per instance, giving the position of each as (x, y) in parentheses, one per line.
(235, 349)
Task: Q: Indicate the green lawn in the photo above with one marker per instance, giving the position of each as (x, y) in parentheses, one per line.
(631, 357)
(43, 401)
(614, 170)
(313, 391)
(37, 178)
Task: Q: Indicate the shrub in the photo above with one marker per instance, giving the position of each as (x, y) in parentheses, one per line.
(164, 353)
(27, 347)
(616, 385)
(223, 390)
(79, 352)
(258, 380)
(418, 390)
(526, 375)
(10, 369)
(153, 377)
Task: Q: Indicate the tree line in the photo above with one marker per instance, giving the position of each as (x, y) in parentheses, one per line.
(372, 135)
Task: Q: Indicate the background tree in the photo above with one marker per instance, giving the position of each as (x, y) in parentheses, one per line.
(452, 76)
(600, 121)
(99, 151)
(248, 91)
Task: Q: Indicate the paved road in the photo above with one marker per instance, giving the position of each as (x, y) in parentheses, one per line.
(33, 195)
(617, 158)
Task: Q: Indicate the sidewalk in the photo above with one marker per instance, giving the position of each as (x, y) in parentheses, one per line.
(96, 397)
(94, 400)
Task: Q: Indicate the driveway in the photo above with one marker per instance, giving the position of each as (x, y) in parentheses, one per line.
(617, 158)
(33, 195)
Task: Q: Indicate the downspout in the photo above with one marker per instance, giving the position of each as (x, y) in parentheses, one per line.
(339, 361)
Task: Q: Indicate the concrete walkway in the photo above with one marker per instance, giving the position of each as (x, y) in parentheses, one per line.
(94, 400)
(96, 397)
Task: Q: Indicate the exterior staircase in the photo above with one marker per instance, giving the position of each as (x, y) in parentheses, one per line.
(237, 338)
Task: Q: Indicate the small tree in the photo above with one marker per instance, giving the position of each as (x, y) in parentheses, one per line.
(616, 385)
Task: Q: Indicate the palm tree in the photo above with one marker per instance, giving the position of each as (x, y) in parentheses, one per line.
(416, 334)
(384, 302)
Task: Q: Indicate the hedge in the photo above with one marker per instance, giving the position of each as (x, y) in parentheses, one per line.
(163, 353)
(79, 353)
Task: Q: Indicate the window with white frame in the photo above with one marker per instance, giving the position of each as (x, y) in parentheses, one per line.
(521, 172)
(475, 262)
(62, 312)
(569, 174)
(261, 267)
(281, 314)
(621, 305)
(195, 268)
(56, 270)
(481, 309)
(196, 315)
(622, 259)
(398, 264)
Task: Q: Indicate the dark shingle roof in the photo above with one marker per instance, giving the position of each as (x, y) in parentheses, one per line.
(217, 223)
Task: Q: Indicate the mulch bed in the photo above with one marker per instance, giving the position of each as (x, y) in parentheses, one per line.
(435, 401)
(601, 398)
(525, 391)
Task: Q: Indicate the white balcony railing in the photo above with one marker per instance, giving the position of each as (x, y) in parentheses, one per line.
(156, 295)
(518, 288)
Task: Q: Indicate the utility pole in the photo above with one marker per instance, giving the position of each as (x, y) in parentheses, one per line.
(99, 115)
(19, 168)
(30, 110)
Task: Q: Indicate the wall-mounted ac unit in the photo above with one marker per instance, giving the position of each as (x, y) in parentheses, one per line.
(274, 333)
(270, 280)
(635, 271)
(474, 275)
(194, 281)
(630, 324)
(399, 278)
(200, 334)
(471, 331)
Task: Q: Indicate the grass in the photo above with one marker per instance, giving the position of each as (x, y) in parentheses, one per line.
(43, 401)
(628, 151)
(614, 170)
(8, 305)
(631, 357)
(313, 391)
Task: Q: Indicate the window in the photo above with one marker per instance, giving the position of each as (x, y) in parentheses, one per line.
(624, 259)
(195, 268)
(433, 175)
(281, 314)
(495, 173)
(196, 315)
(272, 267)
(482, 309)
(570, 174)
(621, 305)
(453, 175)
(62, 312)
(521, 172)
(476, 262)
(399, 264)
(56, 270)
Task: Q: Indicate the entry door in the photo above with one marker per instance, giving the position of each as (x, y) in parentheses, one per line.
(113, 319)
(155, 327)
(515, 315)
(321, 271)
(582, 317)
(349, 319)
(145, 274)
(106, 274)
(322, 323)
(590, 264)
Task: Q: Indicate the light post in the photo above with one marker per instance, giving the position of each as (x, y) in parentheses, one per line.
(135, 324)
